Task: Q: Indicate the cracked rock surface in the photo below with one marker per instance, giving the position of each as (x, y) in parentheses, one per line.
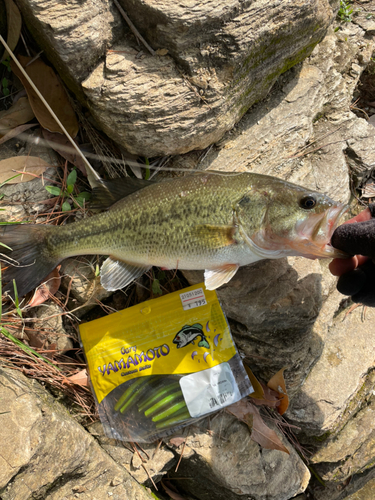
(45, 454)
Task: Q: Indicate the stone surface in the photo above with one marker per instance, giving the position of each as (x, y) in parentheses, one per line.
(221, 58)
(157, 459)
(74, 36)
(45, 454)
(353, 447)
(359, 487)
(81, 284)
(347, 358)
(24, 200)
(225, 456)
(309, 105)
(49, 320)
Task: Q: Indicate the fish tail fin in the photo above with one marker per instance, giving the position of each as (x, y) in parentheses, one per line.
(25, 256)
(204, 343)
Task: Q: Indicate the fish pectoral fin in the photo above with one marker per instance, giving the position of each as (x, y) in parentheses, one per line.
(215, 236)
(213, 278)
(116, 274)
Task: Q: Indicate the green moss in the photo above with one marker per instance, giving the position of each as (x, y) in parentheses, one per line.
(322, 438)
(250, 66)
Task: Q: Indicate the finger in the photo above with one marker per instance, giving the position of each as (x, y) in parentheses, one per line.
(363, 216)
(342, 266)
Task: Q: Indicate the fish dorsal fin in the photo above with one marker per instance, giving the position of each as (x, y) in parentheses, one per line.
(106, 193)
(215, 236)
(213, 278)
(116, 274)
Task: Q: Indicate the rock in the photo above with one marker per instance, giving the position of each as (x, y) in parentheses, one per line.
(81, 284)
(353, 447)
(220, 60)
(23, 200)
(49, 322)
(75, 36)
(46, 454)
(336, 378)
(359, 487)
(225, 464)
(157, 460)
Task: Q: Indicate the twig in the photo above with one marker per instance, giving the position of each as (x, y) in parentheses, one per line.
(92, 175)
(133, 28)
(182, 452)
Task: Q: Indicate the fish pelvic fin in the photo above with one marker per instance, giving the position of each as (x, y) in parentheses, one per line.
(204, 343)
(116, 274)
(213, 278)
(26, 257)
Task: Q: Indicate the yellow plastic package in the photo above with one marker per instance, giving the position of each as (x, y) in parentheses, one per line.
(157, 366)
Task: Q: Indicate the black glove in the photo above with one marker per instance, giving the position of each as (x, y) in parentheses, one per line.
(358, 239)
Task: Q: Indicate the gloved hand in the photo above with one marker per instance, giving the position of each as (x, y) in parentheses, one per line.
(357, 274)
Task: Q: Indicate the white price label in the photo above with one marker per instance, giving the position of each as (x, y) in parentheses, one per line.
(194, 298)
(209, 390)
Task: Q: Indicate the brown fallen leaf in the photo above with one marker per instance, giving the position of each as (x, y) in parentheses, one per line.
(260, 433)
(14, 23)
(18, 130)
(53, 92)
(80, 378)
(270, 397)
(31, 164)
(47, 289)
(18, 114)
(277, 383)
(258, 390)
(55, 140)
(177, 441)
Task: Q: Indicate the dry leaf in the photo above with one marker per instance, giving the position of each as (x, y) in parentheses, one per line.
(270, 397)
(18, 114)
(258, 390)
(32, 164)
(277, 383)
(14, 22)
(177, 441)
(66, 151)
(80, 378)
(35, 340)
(18, 130)
(53, 92)
(47, 289)
(260, 433)
(162, 52)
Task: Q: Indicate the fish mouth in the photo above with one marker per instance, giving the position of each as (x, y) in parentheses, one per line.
(315, 232)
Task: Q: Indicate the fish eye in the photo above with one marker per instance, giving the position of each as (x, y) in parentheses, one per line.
(307, 202)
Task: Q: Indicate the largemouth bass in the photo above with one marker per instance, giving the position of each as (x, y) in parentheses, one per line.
(211, 221)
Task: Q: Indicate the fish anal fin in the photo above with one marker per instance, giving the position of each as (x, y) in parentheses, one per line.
(116, 274)
(216, 236)
(213, 278)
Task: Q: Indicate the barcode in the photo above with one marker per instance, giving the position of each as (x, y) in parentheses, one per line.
(194, 298)
(222, 399)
